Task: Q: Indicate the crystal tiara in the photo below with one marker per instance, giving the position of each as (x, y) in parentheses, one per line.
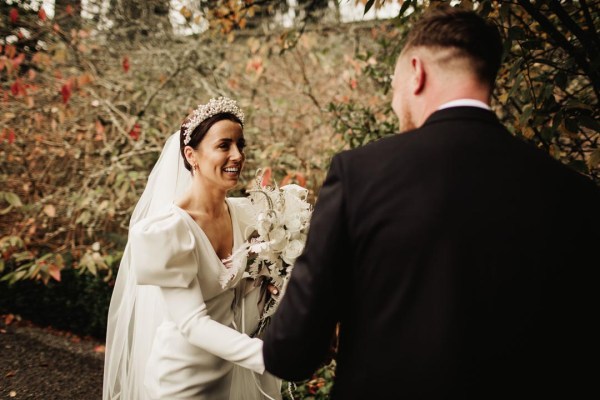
(213, 107)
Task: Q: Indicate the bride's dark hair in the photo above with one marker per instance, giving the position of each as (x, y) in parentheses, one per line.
(200, 131)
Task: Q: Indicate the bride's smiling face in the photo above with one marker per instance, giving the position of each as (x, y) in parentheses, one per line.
(220, 154)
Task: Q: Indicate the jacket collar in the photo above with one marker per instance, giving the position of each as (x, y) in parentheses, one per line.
(463, 112)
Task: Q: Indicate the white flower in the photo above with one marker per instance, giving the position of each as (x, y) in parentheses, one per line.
(278, 239)
(292, 251)
(294, 223)
(296, 191)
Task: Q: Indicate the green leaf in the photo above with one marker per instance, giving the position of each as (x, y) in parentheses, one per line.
(516, 33)
(13, 199)
(83, 218)
(368, 6)
(589, 122)
(571, 125)
(561, 80)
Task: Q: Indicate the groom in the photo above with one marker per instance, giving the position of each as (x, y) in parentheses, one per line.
(459, 261)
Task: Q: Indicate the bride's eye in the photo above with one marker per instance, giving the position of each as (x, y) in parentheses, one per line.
(241, 145)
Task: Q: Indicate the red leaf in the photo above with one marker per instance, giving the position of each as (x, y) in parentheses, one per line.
(15, 88)
(18, 60)
(14, 15)
(353, 83)
(65, 91)
(266, 178)
(301, 179)
(135, 132)
(42, 14)
(9, 319)
(125, 64)
(99, 130)
(11, 137)
(69, 9)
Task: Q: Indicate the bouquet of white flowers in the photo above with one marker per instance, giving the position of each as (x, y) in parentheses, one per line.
(276, 237)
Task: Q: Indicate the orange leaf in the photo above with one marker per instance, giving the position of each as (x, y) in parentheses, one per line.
(100, 348)
(99, 127)
(50, 210)
(18, 60)
(42, 14)
(286, 179)
(11, 136)
(14, 15)
(9, 319)
(54, 272)
(69, 9)
(84, 79)
(10, 50)
(301, 179)
(99, 131)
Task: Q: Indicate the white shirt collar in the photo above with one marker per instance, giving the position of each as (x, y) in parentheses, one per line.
(463, 103)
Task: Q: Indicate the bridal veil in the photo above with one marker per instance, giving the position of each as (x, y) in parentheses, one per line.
(135, 311)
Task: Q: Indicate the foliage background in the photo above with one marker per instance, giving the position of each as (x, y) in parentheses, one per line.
(86, 107)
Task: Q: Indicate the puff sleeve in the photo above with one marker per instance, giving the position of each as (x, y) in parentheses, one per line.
(162, 250)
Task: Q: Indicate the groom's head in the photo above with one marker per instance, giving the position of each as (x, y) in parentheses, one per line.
(449, 53)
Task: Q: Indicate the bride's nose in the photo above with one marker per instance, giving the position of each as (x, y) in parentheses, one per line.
(236, 153)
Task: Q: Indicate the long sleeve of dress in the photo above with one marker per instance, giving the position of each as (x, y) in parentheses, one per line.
(187, 309)
(163, 252)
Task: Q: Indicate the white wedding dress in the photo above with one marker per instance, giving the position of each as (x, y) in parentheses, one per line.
(174, 331)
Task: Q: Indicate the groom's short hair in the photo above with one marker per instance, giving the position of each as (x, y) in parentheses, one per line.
(471, 35)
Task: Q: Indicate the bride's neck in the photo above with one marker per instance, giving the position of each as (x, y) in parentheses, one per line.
(204, 200)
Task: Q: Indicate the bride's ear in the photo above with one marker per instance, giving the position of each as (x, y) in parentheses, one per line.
(188, 151)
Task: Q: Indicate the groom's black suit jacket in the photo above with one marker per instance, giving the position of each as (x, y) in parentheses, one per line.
(460, 262)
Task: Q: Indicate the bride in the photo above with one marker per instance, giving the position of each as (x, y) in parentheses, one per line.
(179, 317)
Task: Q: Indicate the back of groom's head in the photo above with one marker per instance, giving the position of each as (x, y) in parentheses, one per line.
(466, 33)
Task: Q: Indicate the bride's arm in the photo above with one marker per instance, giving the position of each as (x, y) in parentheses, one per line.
(187, 309)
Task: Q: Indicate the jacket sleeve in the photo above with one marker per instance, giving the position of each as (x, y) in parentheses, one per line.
(300, 333)
(163, 254)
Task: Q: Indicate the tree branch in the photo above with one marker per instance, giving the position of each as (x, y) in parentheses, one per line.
(562, 41)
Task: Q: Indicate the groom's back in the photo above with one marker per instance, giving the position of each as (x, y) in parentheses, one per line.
(472, 265)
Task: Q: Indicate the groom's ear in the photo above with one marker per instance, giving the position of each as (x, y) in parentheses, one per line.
(419, 75)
